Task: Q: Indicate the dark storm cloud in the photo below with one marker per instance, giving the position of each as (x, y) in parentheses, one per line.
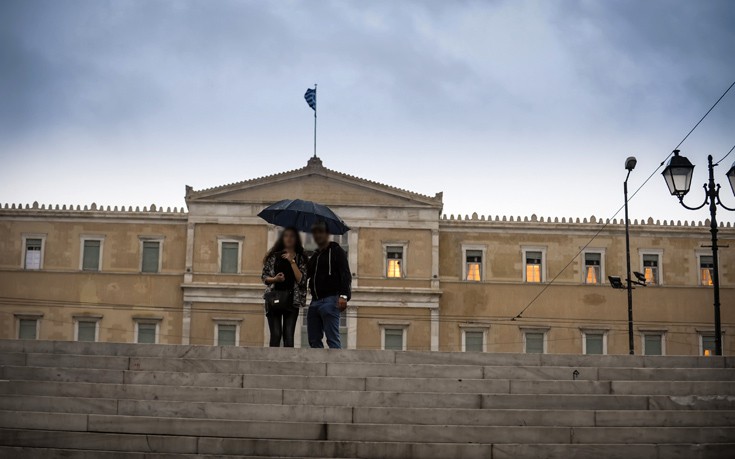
(454, 92)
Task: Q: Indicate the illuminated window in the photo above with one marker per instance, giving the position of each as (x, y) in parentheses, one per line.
(706, 269)
(394, 261)
(707, 344)
(473, 266)
(650, 268)
(534, 260)
(592, 268)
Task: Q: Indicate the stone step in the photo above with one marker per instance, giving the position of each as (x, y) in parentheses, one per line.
(369, 383)
(260, 367)
(55, 453)
(66, 445)
(367, 398)
(368, 415)
(409, 433)
(372, 356)
(614, 451)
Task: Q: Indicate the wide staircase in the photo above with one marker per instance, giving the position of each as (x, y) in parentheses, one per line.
(110, 401)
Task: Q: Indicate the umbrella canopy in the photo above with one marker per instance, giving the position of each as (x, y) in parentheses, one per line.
(302, 215)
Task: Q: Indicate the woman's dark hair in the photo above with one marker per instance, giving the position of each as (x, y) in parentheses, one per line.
(279, 246)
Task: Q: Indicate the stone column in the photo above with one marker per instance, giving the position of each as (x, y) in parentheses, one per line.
(435, 258)
(188, 273)
(435, 329)
(186, 323)
(353, 239)
(351, 327)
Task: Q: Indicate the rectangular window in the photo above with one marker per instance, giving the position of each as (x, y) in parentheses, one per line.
(594, 343)
(147, 332)
(534, 263)
(92, 248)
(534, 342)
(394, 261)
(474, 340)
(650, 268)
(394, 339)
(226, 335)
(230, 257)
(653, 344)
(33, 251)
(151, 256)
(27, 328)
(86, 330)
(592, 268)
(473, 267)
(706, 269)
(707, 343)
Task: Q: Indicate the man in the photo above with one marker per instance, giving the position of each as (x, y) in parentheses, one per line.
(330, 284)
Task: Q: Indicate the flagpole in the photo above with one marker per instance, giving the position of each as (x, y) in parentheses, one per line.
(315, 105)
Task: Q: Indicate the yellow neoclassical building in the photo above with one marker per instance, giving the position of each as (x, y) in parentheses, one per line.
(422, 280)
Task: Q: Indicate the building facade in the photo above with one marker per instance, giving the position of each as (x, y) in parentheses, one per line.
(422, 281)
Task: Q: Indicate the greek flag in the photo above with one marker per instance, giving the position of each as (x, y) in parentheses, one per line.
(310, 97)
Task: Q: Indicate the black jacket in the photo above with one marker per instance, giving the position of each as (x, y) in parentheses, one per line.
(329, 273)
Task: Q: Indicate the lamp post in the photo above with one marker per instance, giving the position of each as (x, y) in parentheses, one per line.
(678, 176)
(629, 166)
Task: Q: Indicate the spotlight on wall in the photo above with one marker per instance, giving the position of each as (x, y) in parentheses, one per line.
(616, 282)
(641, 277)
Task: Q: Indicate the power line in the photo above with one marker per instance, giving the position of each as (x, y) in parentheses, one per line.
(723, 158)
(607, 222)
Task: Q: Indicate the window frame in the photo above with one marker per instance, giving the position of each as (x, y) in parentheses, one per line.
(28, 316)
(601, 252)
(96, 319)
(659, 267)
(661, 333)
(543, 330)
(227, 321)
(24, 249)
(91, 237)
(699, 255)
(479, 247)
(240, 244)
(147, 321)
(464, 328)
(404, 259)
(530, 248)
(594, 331)
(143, 240)
(709, 333)
(394, 326)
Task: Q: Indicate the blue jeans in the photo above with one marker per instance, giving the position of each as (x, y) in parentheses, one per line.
(323, 318)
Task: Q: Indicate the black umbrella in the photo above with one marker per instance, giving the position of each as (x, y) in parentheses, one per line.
(302, 215)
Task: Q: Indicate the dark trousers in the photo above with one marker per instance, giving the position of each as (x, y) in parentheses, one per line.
(323, 319)
(282, 324)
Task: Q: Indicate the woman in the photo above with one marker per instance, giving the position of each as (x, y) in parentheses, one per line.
(284, 274)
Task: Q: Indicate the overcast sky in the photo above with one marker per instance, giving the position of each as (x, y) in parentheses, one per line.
(508, 107)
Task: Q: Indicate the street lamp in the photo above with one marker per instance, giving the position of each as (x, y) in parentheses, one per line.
(678, 176)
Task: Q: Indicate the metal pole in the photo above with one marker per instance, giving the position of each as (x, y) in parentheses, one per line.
(316, 102)
(631, 344)
(712, 195)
